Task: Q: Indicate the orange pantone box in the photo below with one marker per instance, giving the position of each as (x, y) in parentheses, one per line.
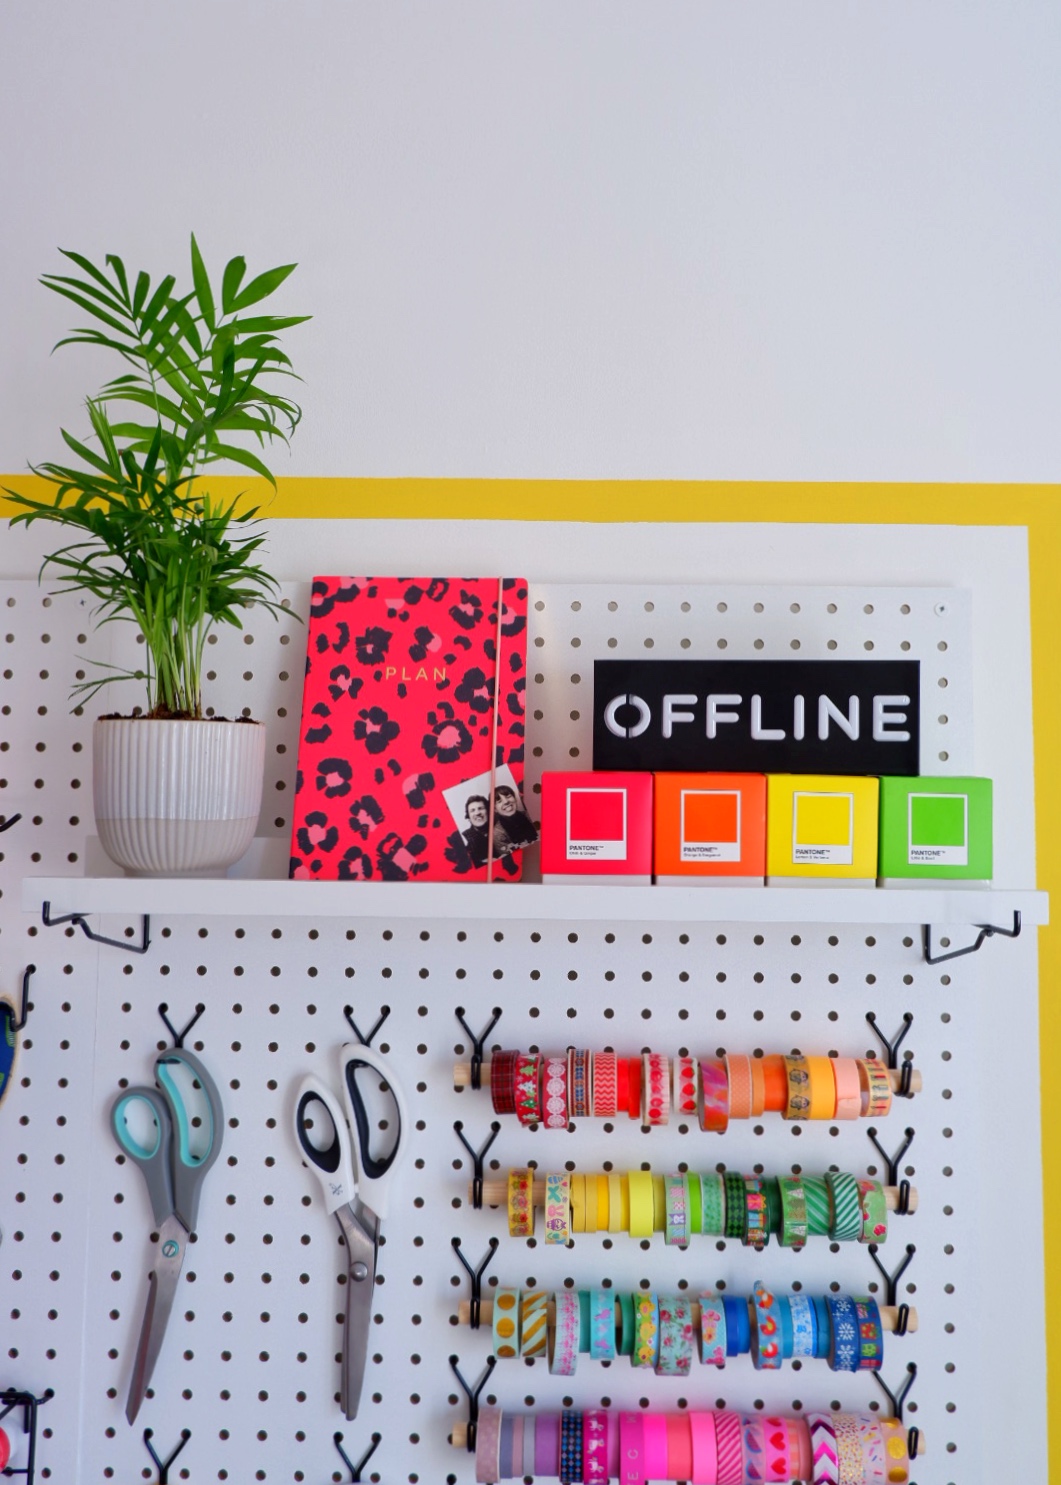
(710, 827)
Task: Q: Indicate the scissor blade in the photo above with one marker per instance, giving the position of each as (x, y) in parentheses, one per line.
(162, 1289)
(360, 1228)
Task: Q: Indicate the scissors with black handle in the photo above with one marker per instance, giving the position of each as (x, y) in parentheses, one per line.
(173, 1164)
(335, 1139)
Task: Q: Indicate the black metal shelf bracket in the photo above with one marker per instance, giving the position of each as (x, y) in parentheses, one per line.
(355, 1469)
(475, 1276)
(78, 919)
(472, 1394)
(10, 1399)
(163, 1465)
(987, 930)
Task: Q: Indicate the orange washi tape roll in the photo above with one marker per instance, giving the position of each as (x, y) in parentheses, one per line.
(775, 1079)
(848, 1088)
(739, 1072)
(822, 1088)
(758, 1086)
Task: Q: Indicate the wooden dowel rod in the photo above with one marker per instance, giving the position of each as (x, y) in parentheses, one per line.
(495, 1193)
(889, 1314)
(459, 1439)
(462, 1077)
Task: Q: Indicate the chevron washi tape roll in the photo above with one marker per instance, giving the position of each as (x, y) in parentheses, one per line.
(825, 1460)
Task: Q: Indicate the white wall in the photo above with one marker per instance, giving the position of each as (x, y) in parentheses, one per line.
(693, 240)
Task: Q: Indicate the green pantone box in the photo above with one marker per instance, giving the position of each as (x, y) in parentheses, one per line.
(934, 830)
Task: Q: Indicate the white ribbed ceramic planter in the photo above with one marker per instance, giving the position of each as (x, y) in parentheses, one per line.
(176, 798)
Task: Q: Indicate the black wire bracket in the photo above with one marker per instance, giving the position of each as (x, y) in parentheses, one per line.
(892, 1162)
(477, 1042)
(472, 1394)
(178, 1037)
(355, 1469)
(163, 1465)
(897, 1400)
(478, 1156)
(891, 1285)
(892, 1049)
(10, 1399)
(7, 1010)
(475, 1275)
(366, 1041)
(987, 930)
(7, 824)
(99, 938)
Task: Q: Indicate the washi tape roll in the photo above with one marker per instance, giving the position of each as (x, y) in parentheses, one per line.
(506, 1322)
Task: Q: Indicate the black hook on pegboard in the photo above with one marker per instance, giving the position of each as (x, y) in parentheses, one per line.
(478, 1156)
(892, 1049)
(892, 1162)
(10, 1399)
(891, 1284)
(78, 919)
(366, 1041)
(897, 1400)
(23, 1013)
(472, 1394)
(475, 1275)
(477, 1042)
(178, 1038)
(163, 1465)
(355, 1469)
(7, 824)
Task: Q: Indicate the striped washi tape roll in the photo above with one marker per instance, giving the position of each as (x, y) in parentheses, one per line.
(847, 1214)
(816, 1193)
(534, 1329)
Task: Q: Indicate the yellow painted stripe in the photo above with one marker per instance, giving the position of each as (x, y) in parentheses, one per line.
(1036, 506)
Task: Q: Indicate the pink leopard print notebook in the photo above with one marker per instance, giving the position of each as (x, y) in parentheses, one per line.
(410, 754)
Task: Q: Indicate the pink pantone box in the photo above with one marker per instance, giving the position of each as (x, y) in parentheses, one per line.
(597, 827)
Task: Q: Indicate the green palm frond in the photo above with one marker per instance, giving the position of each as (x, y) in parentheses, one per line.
(152, 548)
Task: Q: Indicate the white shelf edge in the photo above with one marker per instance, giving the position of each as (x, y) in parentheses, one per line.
(244, 897)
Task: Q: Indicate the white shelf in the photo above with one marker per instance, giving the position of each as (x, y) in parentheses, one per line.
(244, 898)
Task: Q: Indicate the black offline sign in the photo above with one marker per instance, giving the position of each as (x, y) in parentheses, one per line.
(758, 716)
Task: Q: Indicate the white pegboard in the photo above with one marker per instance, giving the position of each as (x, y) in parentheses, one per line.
(250, 1361)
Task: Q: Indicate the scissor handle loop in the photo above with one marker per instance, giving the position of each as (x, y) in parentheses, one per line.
(154, 1162)
(374, 1171)
(331, 1163)
(189, 1168)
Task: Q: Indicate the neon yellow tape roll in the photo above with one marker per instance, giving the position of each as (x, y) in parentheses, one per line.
(617, 1201)
(642, 1205)
(578, 1203)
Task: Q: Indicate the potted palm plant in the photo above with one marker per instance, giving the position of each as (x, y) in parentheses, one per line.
(176, 792)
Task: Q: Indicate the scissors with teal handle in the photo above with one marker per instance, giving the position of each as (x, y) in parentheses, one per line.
(335, 1139)
(173, 1163)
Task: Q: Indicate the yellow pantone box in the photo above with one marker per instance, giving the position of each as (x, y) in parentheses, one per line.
(820, 827)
